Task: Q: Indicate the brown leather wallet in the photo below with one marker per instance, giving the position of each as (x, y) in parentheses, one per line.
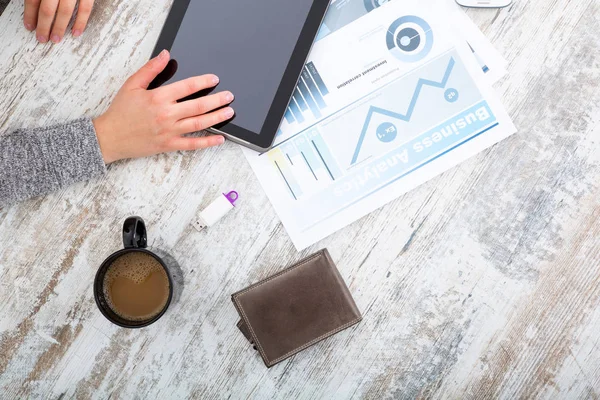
(295, 308)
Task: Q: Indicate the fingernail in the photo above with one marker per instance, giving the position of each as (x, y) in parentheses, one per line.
(163, 54)
(228, 112)
(29, 27)
(41, 38)
(220, 139)
(55, 38)
(228, 97)
(77, 33)
(215, 79)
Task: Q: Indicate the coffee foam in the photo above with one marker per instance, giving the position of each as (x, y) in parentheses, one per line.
(136, 266)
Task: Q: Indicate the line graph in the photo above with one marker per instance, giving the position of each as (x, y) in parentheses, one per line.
(411, 108)
(388, 119)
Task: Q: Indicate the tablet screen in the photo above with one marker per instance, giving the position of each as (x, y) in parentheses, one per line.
(247, 44)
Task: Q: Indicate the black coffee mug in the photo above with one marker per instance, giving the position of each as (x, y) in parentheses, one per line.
(135, 240)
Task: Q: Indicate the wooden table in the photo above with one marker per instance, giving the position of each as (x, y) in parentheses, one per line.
(483, 282)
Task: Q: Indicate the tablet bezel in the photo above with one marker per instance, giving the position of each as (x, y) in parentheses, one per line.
(264, 139)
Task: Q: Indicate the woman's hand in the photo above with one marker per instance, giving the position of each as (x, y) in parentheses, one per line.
(49, 18)
(142, 122)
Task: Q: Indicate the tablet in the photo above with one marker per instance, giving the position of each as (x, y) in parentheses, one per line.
(257, 49)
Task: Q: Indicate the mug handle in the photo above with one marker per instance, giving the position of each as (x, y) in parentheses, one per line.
(134, 233)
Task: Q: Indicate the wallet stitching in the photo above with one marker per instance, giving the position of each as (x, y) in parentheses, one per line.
(257, 342)
(290, 269)
(304, 346)
(253, 334)
(325, 335)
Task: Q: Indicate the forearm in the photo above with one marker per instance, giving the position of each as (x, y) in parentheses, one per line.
(37, 161)
(138, 123)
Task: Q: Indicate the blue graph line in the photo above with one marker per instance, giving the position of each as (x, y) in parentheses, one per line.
(286, 181)
(309, 166)
(411, 108)
(322, 160)
(403, 175)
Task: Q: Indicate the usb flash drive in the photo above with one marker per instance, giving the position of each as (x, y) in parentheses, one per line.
(216, 210)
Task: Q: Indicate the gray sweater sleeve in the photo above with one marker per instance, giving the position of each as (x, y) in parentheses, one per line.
(36, 161)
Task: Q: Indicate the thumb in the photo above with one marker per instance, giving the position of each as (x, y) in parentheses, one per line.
(145, 75)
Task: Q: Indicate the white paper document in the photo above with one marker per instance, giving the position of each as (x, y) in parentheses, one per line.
(343, 12)
(385, 103)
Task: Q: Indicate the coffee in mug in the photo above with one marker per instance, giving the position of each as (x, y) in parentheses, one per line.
(134, 286)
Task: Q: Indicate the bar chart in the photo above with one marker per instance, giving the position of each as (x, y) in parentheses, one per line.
(342, 143)
(308, 96)
(305, 163)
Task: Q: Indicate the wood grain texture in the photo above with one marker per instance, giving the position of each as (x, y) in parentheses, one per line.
(482, 283)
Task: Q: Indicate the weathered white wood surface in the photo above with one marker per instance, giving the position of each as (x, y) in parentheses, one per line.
(484, 282)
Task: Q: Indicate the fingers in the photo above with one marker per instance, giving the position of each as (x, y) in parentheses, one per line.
(50, 18)
(83, 14)
(46, 14)
(63, 16)
(31, 14)
(142, 78)
(180, 89)
(202, 105)
(195, 143)
(201, 122)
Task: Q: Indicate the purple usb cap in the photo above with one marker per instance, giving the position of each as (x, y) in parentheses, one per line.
(231, 196)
